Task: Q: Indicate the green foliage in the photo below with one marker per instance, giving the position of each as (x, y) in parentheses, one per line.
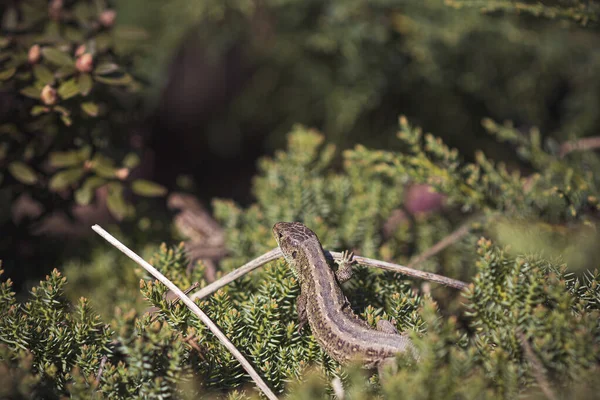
(523, 315)
(70, 96)
(44, 339)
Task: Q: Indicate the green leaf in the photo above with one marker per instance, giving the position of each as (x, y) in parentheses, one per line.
(57, 57)
(105, 68)
(85, 194)
(131, 161)
(37, 110)
(68, 89)
(103, 166)
(60, 159)
(90, 108)
(115, 202)
(22, 172)
(7, 73)
(66, 120)
(32, 91)
(146, 188)
(66, 178)
(65, 71)
(122, 80)
(43, 74)
(85, 83)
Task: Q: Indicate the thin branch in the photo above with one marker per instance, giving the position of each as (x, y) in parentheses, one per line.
(276, 253)
(404, 270)
(454, 237)
(588, 143)
(232, 276)
(192, 306)
(536, 366)
(101, 369)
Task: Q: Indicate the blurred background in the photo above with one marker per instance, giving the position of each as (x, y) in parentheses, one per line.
(206, 87)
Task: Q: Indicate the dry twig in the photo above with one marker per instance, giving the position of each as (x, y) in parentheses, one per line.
(192, 306)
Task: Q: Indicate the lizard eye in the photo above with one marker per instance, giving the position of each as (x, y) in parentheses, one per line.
(294, 254)
(280, 235)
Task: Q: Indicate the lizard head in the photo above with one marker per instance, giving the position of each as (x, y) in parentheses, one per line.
(291, 238)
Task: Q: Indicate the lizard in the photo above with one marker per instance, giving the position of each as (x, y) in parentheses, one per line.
(340, 333)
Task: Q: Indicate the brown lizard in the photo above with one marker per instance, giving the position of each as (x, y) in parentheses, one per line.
(340, 332)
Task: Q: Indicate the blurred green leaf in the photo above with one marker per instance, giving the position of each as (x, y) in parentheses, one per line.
(84, 81)
(31, 91)
(124, 79)
(43, 74)
(65, 71)
(103, 166)
(146, 188)
(90, 108)
(60, 159)
(62, 110)
(131, 160)
(64, 179)
(66, 120)
(37, 110)
(85, 194)
(7, 73)
(68, 89)
(57, 57)
(117, 205)
(22, 172)
(105, 68)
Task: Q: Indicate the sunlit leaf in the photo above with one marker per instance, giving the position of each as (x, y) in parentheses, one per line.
(68, 89)
(116, 203)
(64, 179)
(66, 120)
(60, 159)
(90, 108)
(103, 166)
(131, 160)
(85, 194)
(32, 91)
(43, 74)
(124, 79)
(84, 81)
(146, 188)
(57, 57)
(105, 68)
(37, 110)
(22, 172)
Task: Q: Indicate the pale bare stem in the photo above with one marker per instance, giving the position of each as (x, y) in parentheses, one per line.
(589, 143)
(192, 306)
(101, 369)
(536, 366)
(404, 270)
(241, 271)
(454, 237)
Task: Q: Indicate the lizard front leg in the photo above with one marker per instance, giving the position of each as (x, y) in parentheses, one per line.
(344, 271)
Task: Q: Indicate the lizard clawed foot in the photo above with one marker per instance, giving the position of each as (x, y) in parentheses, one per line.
(344, 271)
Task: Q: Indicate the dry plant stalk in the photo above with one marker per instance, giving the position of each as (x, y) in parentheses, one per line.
(192, 306)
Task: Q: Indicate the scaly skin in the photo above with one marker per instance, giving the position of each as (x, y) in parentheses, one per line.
(342, 334)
